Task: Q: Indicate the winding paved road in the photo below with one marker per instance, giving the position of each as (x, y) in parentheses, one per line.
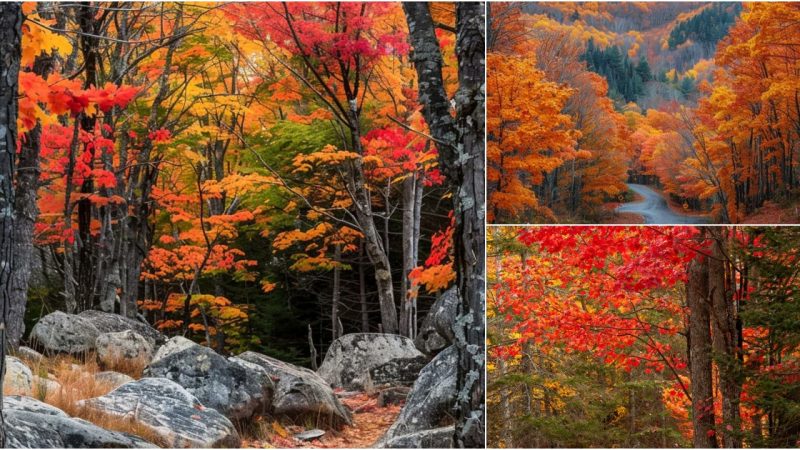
(654, 208)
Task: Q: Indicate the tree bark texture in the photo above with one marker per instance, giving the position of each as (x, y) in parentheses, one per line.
(460, 142)
(10, 53)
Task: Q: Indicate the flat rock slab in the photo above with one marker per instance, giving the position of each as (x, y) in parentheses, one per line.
(30, 423)
(310, 435)
(29, 404)
(175, 415)
(434, 438)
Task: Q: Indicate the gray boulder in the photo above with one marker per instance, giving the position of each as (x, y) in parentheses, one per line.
(170, 411)
(173, 345)
(300, 393)
(107, 322)
(227, 386)
(60, 332)
(350, 358)
(115, 379)
(29, 354)
(436, 331)
(18, 378)
(395, 373)
(30, 423)
(42, 386)
(431, 399)
(434, 438)
(29, 404)
(123, 348)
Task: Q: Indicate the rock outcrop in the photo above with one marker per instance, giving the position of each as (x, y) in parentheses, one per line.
(436, 331)
(18, 379)
(29, 354)
(59, 332)
(170, 411)
(352, 356)
(434, 438)
(114, 379)
(231, 388)
(123, 349)
(300, 394)
(107, 322)
(397, 372)
(173, 345)
(430, 401)
(30, 423)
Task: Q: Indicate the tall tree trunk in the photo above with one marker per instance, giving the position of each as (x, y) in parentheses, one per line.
(725, 337)
(336, 293)
(412, 193)
(461, 155)
(377, 253)
(10, 53)
(700, 354)
(26, 211)
(362, 290)
(86, 268)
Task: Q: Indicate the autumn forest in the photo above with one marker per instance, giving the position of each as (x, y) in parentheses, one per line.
(377, 224)
(626, 112)
(644, 337)
(231, 224)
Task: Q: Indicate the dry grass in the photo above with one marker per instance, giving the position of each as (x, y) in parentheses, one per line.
(130, 367)
(78, 382)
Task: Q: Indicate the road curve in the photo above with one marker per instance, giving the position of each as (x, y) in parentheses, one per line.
(654, 208)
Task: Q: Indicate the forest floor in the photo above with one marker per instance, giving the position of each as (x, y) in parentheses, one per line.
(773, 212)
(370, 422)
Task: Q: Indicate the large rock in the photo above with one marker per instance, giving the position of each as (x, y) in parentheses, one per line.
(18, 379)
(174, 345)
(60, 332)
(30, 423)
(123, 349)
(114, 323)
(300, 393)
(436, 332)
(29, 404)
(29, 354)
(170, 411)
(395, 373)
(435, 438)
(115, 379)
(43, 386)
(350, 358)
(431, 399)
(227, 386)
